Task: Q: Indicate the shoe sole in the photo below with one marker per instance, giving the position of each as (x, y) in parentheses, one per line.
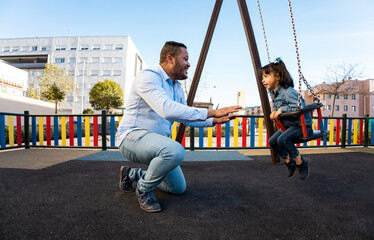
(120, 182)
(149, 210)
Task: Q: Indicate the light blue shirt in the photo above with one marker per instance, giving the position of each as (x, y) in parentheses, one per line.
(155, 103)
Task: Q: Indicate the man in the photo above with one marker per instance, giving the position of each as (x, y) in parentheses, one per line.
(155, 101)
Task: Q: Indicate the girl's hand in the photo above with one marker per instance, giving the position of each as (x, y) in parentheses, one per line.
(274, 115)
(277, 113)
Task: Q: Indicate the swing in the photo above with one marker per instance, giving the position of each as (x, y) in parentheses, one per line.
(316, 105)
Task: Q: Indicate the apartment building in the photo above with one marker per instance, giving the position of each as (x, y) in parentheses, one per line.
(88, 59)
(357, 101)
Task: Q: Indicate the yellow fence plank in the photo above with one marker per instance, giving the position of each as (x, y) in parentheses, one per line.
(63, 131)
(331, 140)
(87, 130)
(260, 131)
(236, 130)
(11, 130)
(210, 137)
(41, 131)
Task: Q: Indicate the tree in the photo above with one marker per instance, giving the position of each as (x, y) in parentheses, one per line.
(106, 95)
(55, 83)
(339, 82)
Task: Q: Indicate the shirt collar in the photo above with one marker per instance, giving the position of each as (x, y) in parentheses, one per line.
(165, 76)
(276, 91)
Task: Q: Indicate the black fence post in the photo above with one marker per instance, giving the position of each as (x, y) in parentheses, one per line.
(192, 139)
(366, 133)
(103, 129)
(344, 130)
(26, 126)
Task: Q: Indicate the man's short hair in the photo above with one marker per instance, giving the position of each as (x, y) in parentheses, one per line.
(170, 48)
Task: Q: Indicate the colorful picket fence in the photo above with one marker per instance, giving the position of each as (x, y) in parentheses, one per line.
(86, 131)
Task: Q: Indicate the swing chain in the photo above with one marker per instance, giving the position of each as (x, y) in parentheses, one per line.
(263, 30)
(301, 76)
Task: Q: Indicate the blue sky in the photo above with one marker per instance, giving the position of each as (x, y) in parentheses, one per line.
(330, 32)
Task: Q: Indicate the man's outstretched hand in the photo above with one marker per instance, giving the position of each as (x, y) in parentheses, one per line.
(223, 115)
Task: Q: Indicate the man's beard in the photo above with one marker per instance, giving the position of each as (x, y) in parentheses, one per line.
(178, 72)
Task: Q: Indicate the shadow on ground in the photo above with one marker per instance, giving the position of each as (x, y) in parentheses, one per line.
(224, 200)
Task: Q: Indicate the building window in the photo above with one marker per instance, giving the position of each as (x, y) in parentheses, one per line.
(83, 59)
(73, 48)
(41, 73)
(82, 73)
(106, 73)
(60, 47)
(353, 96)
(337, 108)
(72, 73)
(72, 60)
(84, 47)
(14, 49)
(25, 48)
(118, 59)
(46, 48)
(94, 73)
(108, 47)
(107, 60)
(328, 96)
(117, 73)
(118, 47)
(69, 99)
(95, 59)
(6, 49)
(345, 96)
(96, 47)
(345, 108)
(328, 107)
(337, 96)
(34, 48)
(353, 108)
(59, 60)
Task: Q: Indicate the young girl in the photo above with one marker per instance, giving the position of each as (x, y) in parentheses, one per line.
(278, 81)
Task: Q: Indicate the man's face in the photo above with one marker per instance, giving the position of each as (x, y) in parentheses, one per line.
(180, 68)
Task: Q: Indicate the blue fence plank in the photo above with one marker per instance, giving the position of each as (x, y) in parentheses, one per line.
(33, 130)
(79, 130)
(227, 134)
(112, 132)
(2, 131)
(372, 131)
(201, 137)
(349, 131)
(55, 130)
(325, 128)
(253, 132)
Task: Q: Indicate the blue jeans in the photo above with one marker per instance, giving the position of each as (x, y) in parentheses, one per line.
(282, 142)
(163, 156)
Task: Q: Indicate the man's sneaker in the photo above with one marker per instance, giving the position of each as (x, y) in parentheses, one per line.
(148, 201)
(125, 183)
(291, 165)
(304, 168)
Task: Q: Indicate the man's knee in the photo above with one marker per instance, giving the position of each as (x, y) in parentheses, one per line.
(174, 152)
(180, 188)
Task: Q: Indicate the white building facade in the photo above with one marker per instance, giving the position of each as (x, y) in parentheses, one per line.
(88, 59)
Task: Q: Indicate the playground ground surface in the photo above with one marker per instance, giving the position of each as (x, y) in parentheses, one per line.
(74, 194)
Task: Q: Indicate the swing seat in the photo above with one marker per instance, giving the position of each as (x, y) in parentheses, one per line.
(314, 135)
(306, 137)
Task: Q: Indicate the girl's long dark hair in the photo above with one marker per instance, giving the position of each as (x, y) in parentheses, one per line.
(279, 68)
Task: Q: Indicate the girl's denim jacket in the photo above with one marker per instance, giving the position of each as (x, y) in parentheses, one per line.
(286, 98)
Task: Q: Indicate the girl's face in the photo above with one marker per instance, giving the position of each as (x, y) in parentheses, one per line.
(270, 81)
